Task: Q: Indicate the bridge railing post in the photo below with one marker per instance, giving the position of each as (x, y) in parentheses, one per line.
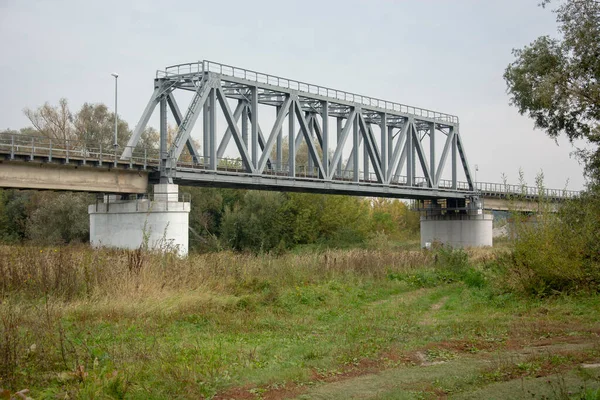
(50, 151)
(85, 151)
(12, 147)
(100, 155)
(145, 157)
(67, 151)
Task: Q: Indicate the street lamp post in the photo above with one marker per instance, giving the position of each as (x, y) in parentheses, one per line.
(116, 144)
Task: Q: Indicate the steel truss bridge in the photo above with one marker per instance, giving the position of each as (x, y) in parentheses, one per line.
(397, 142)
(389, 165)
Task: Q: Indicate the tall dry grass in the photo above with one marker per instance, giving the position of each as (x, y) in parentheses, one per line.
(79, 272)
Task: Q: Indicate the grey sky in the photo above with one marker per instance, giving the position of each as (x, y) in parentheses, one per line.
(443, 55)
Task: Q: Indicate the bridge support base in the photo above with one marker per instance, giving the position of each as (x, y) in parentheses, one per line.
(159, 223)
(457, 230)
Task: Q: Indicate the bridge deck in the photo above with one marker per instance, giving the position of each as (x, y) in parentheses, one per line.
(16, 148)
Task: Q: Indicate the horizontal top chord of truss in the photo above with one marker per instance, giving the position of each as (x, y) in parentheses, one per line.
(199, 68)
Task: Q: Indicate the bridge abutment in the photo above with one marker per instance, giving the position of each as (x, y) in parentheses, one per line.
(159, 223)
(458, 225)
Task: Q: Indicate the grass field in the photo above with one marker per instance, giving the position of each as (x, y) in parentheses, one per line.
(79, 323)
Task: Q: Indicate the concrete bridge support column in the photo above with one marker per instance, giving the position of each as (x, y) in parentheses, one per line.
(459, 224)
(457, 230)
(159, 223)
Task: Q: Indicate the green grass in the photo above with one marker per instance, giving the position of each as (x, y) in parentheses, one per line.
(260, 326)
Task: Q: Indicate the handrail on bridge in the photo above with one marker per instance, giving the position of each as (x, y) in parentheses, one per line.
(28, 147)
(242, 73)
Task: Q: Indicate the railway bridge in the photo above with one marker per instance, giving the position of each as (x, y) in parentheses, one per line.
(277, 134)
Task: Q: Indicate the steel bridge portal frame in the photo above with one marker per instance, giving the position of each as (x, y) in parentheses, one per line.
(402, 130)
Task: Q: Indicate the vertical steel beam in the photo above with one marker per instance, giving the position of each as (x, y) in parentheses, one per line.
(384, 145)
(432, 154)
(410, 159)
(338, 167)
(355, 145)
(254, 111)
(311, 130)
(212, 139)
(292, 141)
(390, 144)
(325, 137)
(279, 145)
(454, 153)
(164, 150)
(245, 124)
(366, 171)
(205, 129)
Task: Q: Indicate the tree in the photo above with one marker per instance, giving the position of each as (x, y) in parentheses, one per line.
(56, 218)
(95, 124)
(556, 82)
(54, 122)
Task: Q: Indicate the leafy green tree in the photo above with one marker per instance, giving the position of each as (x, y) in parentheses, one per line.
(56, 218)
(556, 82)
(255, 223)
(14, 211)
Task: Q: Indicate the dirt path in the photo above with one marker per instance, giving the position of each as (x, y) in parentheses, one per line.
(527, 372)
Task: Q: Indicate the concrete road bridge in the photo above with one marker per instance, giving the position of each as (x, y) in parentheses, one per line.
(287, 136)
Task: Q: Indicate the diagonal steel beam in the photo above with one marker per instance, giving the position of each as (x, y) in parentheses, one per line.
(178, 118)
(274, 133)
(237, 137)
(442, 163)
(141, 125)
(261, 138)
(299, 135)
(371, 148)
(225, 141)
(421, 156)
(339, 148)
(312, 150)
(398, 149)
(375, 146)
(463, 159)
(185, 128)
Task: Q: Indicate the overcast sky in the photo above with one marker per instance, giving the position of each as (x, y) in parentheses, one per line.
(443, 55)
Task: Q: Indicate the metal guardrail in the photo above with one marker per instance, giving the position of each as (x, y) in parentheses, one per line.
(254, 76)
(29, 148)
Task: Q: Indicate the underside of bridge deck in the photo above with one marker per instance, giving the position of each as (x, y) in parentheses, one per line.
(58, 176)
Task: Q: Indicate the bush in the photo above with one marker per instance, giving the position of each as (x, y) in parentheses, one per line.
(557, 252)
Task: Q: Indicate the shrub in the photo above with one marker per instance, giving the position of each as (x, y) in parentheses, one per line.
(557, 252)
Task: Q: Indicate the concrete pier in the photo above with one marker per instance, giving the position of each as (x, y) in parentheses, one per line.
(456, 223)
(159, 223)
(457, 230)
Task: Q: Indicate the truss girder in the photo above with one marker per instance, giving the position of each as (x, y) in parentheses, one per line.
(387, 141)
